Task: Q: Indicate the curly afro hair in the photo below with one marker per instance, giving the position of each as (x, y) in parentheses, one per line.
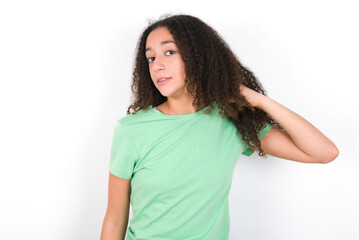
(213, 73)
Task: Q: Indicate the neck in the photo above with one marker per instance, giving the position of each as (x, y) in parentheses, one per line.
(179, 106)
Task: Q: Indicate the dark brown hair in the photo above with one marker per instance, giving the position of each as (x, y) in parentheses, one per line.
(213, 73)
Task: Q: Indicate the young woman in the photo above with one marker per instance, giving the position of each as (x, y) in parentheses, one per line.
(196, 109)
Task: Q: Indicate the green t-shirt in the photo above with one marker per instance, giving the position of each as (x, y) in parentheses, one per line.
(181, 169)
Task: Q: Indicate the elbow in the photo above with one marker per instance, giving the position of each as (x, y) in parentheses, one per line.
(334, 153)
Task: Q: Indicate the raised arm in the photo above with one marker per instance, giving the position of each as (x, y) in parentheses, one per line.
(300, 141)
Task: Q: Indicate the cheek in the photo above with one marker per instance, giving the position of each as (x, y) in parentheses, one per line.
(152, 75)
(182, 70)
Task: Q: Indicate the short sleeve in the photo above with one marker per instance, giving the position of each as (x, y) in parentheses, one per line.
(247, 151)
(123, 153)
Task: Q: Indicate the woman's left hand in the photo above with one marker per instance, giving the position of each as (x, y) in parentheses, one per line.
(253, 97)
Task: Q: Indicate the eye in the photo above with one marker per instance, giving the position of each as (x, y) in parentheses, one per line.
(170, 51)
(150, 59)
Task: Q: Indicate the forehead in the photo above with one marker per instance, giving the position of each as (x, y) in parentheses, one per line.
(159, 36)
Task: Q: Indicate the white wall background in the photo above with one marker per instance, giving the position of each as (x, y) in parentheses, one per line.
(65, 80)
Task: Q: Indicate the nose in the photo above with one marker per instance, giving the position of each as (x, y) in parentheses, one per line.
(158, 64)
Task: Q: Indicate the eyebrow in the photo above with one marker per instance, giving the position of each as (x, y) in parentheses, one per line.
(162, 43)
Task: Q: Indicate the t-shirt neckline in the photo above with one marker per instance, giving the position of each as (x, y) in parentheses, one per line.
(189, 115)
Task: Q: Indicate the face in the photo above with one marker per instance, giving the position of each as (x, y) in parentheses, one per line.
(164, 61)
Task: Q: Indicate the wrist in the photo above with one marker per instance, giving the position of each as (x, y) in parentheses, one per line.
(261, 101)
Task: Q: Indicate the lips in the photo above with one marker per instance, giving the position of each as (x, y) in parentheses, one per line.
(158, 79)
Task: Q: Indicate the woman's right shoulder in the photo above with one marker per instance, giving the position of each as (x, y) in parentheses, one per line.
(134, 118)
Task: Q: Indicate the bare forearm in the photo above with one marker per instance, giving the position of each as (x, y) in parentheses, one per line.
(306, 137)
(113, 231)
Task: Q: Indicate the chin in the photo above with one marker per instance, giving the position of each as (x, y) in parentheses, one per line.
(166, 93)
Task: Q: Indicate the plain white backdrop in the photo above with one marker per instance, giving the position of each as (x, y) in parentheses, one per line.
(65, 71)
